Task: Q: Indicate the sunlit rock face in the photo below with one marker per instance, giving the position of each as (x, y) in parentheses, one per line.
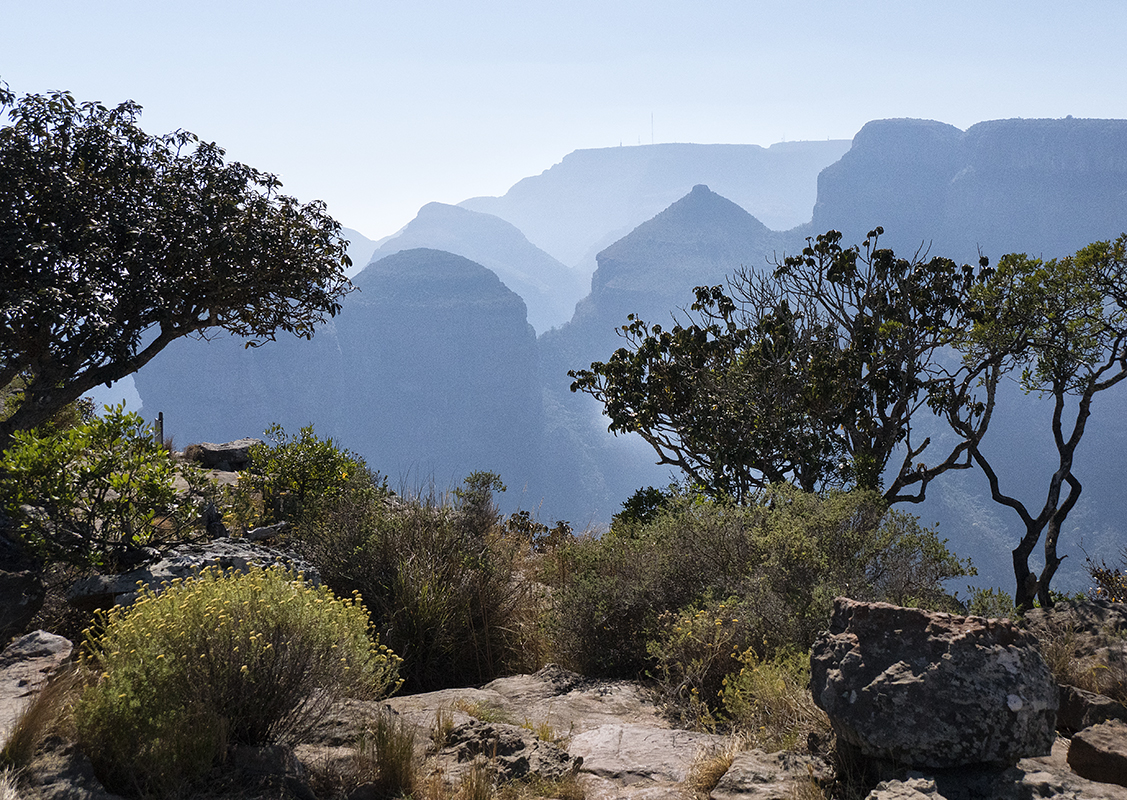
(1046, 187)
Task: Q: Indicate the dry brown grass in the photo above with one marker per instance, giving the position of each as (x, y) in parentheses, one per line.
(709, 767)
(48, 712)
(8, 787)
(1059, 645)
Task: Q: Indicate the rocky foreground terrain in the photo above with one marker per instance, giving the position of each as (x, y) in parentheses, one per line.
(609, 734)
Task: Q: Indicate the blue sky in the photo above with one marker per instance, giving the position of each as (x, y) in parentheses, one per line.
(378, 108)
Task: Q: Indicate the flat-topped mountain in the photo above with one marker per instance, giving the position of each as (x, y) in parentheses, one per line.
(549, 289)
(1039, 186)
(594, 197)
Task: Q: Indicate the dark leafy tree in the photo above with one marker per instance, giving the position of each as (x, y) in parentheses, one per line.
(1062, 324)
(114, 243)
(812, 374)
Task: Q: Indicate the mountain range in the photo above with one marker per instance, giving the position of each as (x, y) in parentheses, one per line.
(453, 355)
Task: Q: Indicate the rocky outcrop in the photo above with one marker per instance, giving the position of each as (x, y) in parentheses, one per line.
(103, 591)
(932, 690)
(227, 457)
(1099, 753)
(1080, 709)
(25, 665)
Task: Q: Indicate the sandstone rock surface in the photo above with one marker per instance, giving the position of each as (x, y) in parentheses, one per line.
(932, 690)
(1099, 753)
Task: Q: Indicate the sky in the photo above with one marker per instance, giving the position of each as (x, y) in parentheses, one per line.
(377, 108)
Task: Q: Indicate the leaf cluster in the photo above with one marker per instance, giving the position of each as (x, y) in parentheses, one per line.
(115, 242)
(808, 374)
(96, 492)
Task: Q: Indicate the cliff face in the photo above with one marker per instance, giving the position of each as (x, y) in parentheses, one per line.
(440, 371)
(429, 372)
(592, 198)
(1044, 187)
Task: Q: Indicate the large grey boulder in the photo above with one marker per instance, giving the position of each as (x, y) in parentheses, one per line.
(102, 591)
(226, 457)
(931, 690)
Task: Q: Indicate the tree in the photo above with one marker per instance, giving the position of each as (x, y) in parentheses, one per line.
(811, 374)
(114, 243)
(1063, 325)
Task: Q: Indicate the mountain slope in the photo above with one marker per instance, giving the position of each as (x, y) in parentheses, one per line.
(594, 197)
(549, 289)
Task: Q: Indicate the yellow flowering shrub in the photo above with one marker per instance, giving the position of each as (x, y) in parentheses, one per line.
(224, 658)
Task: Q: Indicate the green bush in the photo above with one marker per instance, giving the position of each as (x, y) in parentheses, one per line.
(440, 579)
(93, 492)
(296, 479)
(226, 657)
(775, 566)
(768, 700)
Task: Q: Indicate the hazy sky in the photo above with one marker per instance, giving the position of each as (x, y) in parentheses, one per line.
(378, 108)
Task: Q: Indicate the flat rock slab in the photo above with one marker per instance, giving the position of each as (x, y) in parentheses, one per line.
(755, 775)
(25, 666)
(631, 753)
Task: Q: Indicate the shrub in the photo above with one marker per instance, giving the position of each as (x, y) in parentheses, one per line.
(442, 583)
(769, 701)
(296, 479)
(94, 492)
(621, 599)
(694, 650)
(226, 657)
(1110, 582)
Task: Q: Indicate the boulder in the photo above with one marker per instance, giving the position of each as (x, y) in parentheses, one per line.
(102, 591)
(932, 690)
(1099, 753)
(226, 457)
(21, 597)
(1080, 709)
(25, 665)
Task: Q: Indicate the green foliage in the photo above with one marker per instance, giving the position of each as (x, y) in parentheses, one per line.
(92, 492)
(1062, 325)
(621, 599)
(116, 243)
(810, 375)
(297, 479)
(990, 603)
(767, 700)
(71, 415)
(444, 592)
(226, 657)
(694, 650)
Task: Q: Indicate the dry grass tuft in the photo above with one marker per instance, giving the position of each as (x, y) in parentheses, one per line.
(8, 790)
(386, 758)
(1060, 643)
(46, 713)
(709, 767)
